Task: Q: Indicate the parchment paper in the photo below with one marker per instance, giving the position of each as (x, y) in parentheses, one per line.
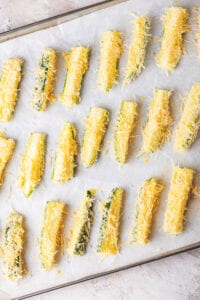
(106, 173)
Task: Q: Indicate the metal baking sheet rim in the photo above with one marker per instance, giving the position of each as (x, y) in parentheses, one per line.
(48, 23)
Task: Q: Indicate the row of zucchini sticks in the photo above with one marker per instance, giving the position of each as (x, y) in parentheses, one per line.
(155, 133)
(52, 237)
(77, 62)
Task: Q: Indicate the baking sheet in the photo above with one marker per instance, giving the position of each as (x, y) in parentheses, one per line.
(106, 173)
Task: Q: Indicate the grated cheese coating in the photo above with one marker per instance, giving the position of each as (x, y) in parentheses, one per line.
(82, 224)
(189, 124)
(66, 152)
(181, 185)
(137, 51)
(111, 49)
(156, 130)
(147, 205)
(174, 26)
(32, 163)
(9, 84)
(51, 233)
(95, 128)
(44, 82)
(109, 230)
(12, 249)
(77, 62)
(126, 123)
(7, 147)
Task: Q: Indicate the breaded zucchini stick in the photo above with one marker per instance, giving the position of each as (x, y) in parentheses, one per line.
(109, 230)
(13, 244)
(137, 51)
(32, 163)
(7, 147)
(76, 63)
(181, 184)
(95, 128)
(171, 49)
(9, 84)
(51, 235)
(147, 205)
(189, 124)
(66, 152)
(82, 224)
(44, 82)
(111, 48)
(156, 130)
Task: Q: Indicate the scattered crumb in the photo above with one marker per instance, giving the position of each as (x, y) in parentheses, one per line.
(105, 152)
(58, 272)
(195, 191)
(146, 160)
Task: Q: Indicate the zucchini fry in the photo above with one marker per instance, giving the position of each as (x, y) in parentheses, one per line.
(147, 205)
(126, 123)
(189, 124)
(181, 184)
(111, 48)
(32, 163)
(171, 49)
(82, 224)
(13, 243)
(44, 82)
(7, 147)
(137, 51)
(66, 152)
(51, 235)
(9, 84)
(77, 62)
(109, 230)
(95, 128)
(156, 130)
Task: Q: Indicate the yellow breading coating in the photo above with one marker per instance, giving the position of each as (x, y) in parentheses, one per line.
(189, 124)
(171, 49)
(137, 51)
(44, 82)
(77, 62)
(32, 163)
(156, 130)
(66, 152)
(109, 230)
(51, 235)
(111, 48)
(125, 125)
(12, 249)
(95, 128)
(181, 185)
(7, 147)
(147, 205)
(9, 84)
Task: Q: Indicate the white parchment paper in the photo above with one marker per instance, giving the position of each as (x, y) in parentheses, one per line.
(106, 173)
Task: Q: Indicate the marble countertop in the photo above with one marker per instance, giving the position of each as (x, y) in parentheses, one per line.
(174, 278)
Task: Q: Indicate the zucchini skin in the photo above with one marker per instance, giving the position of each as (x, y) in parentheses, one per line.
(95, 129)
(51, 236)
(189, 124)
(125, 125)
(181, 185)
(44, 81)
(32, 163)
(9, 84)
(66, 152)
(171, 49)
(81, 228)
(7, 147)
(77, 63)
(109, 229)
(137, 51)
(13, 244)
(148, 202)
(111, 49)
(156, 130)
